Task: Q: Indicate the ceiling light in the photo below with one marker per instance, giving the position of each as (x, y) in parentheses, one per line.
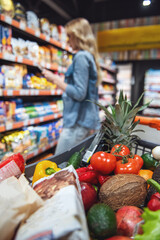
(146, 2)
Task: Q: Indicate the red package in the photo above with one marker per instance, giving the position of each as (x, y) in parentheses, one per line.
(12, 166)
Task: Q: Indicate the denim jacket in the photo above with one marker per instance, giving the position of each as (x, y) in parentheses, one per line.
(81, 78)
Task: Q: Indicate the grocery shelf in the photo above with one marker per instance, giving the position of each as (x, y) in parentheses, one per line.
(109, 81)
(106, 92)
(21, 26)
(29, 92)
(112, 71)
(15, 125)
(40, 150)
(19, 59)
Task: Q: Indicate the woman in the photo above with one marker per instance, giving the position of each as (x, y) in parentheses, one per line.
(80, 117)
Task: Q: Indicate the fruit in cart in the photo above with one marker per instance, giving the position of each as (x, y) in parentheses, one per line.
(89, 195)
(120, 151)
(127, 218)
(156, 153)
(101, 221)
(44, 169)
(154, 202)
(129, 165)
(103, 162)
(146, 174)
(123, 189)
(149, 162)
(119, 125)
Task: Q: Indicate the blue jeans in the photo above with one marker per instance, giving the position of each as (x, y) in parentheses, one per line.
(70, 137)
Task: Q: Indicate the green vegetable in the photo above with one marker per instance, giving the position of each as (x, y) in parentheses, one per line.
(155, 184)
(149, 162)
(50, 171)
(76, 159)
(151, 226)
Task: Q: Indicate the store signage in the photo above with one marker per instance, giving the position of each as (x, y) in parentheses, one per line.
(133, 38)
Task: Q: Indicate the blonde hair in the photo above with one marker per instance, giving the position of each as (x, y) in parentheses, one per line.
(84, 40)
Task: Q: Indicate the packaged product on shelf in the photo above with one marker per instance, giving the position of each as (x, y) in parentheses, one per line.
(13, 76)
(54, 55)
(33, 50)
(2, 112)
(2, 80)
(5, 42)
(32, 20)
(45, 26)
(54, 32)
(7, 8)
(59, 57)
(16, 49)
(41, 53)
(62, 34)
(20, 14)
(47, 55)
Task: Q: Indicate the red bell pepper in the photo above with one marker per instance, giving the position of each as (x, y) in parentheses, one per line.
(12, 166)
(102, 178)
(88, 177)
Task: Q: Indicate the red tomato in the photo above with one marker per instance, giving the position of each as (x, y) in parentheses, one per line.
(130, 166)
(120, 150)
(103, 162)
(139, 160)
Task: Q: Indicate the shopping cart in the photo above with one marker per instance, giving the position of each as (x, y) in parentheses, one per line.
(140, 148)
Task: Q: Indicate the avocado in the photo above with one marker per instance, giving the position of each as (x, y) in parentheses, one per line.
(101, 221)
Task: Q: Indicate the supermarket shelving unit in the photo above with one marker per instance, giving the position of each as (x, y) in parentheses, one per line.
(37, 36)
(106, 96)
(107, 90)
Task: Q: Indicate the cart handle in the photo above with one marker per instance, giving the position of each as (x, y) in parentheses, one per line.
(151, 122)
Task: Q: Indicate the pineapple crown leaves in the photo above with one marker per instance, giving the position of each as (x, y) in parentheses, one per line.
(119, 121)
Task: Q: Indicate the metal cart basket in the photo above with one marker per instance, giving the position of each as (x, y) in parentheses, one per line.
(140, 148)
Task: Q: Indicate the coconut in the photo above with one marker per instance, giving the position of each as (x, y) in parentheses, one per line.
(124, 189)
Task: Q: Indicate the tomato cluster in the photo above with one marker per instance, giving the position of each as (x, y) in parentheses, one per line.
(120, 160)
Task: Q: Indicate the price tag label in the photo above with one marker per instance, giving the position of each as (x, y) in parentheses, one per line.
(44, 149)
(8, 19)
(22, 26)
(1, 92)
(10, 92)
(59, 91)
(9, 126)
(64, 45)
(37, 33)
(20, 59)
(47, 38)
(36, 152)
(59, 68)
(36, 92)
(48, 65)
(55, 115)
(52, 92)
(32, 92)
(32, 121)
(25, 123)
(41, 119)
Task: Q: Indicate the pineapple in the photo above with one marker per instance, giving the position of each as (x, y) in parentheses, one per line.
(119, 124)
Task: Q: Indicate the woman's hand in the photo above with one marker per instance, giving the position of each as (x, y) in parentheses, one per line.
(51, 77)
(54, 78)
